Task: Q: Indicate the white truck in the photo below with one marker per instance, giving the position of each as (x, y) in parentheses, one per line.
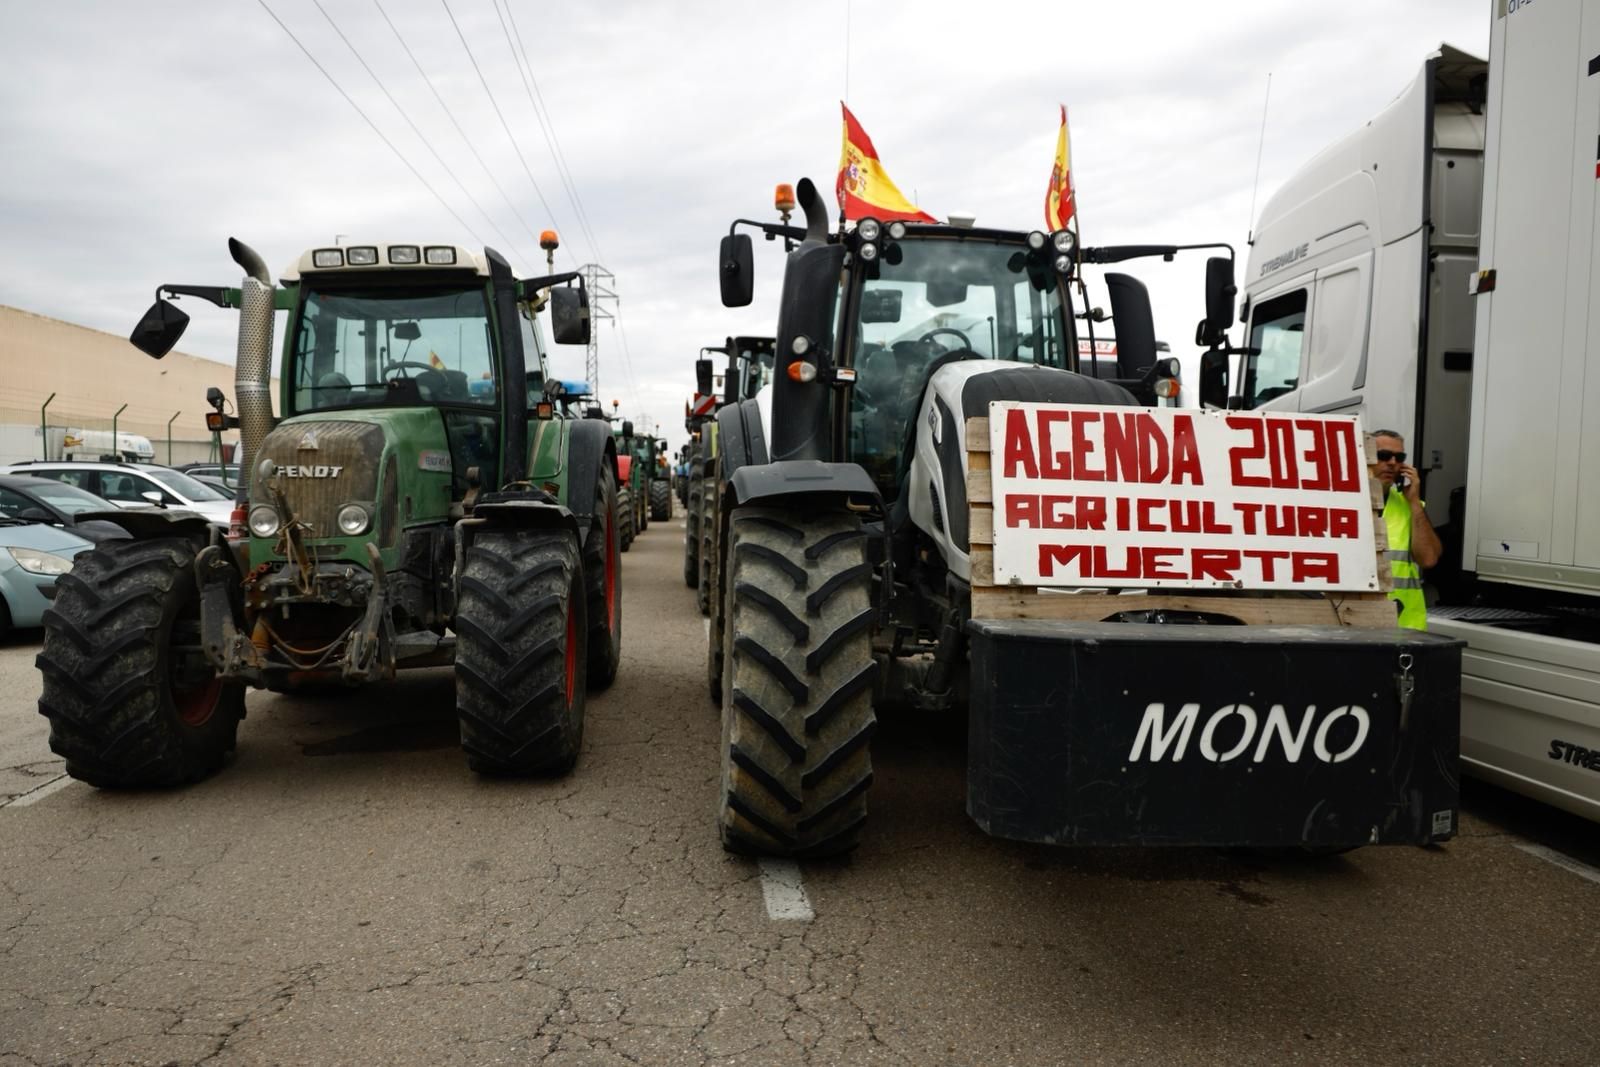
(1436, 272)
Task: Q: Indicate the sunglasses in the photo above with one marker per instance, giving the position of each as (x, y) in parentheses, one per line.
(1384, 456)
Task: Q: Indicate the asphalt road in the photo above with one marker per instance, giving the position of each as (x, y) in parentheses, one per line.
(347, 892)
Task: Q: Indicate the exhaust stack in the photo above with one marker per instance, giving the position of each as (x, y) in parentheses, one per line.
(253, 367)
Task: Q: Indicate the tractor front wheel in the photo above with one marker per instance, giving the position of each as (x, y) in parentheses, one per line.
(797, 695)
(521, 644)
(131, 698)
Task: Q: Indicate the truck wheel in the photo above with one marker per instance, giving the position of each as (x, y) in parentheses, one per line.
(691, 536)
(660, 501)
(131, 698)
(625, 514)
(797, 715)
(602, 574)
(521, 637)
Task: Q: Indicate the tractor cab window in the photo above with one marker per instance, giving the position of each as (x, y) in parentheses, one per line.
(535, 361)
(927, 303)
(396, 346)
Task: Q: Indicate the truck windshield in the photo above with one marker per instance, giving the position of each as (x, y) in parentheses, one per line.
(405, 347)
(925, 300)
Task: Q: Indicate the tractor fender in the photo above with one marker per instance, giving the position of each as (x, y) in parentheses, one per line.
(809, 479)
(590, 449)
(741, 442)
(624, 469)
(144, 524)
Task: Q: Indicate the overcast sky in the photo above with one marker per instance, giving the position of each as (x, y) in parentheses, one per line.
(135, 138)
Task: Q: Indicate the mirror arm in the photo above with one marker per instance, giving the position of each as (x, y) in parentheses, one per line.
(1119, 253)
(531, 285)
(217, 294)
(771, 230)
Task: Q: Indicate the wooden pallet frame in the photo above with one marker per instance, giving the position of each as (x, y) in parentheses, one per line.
(1371, 610)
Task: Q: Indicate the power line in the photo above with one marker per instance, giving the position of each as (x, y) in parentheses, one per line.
(452, 117)
(547, 126)
(348, 99)
(414, 129)
(498, 114)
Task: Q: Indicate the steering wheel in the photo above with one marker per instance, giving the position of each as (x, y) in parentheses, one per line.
(965, 343)
(402, 365)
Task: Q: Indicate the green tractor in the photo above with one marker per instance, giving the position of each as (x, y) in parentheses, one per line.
(660, 475)
(418, 502)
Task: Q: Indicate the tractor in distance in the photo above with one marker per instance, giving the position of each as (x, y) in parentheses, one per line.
(849, 567)
(747, 370)
(417, 501)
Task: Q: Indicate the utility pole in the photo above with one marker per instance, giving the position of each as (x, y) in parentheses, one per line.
(598, 281)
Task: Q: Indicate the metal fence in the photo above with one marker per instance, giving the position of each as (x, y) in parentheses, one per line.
(75, 432)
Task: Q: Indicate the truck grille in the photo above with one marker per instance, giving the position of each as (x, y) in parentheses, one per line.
(323, 466)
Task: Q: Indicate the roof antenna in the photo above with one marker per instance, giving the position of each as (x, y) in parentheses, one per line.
(1260, 145)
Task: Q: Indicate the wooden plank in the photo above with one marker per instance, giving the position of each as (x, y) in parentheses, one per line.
(982, 565)
(980, 489)
(978, 435)
(980, 525)
(978, 461)
(1363, 610)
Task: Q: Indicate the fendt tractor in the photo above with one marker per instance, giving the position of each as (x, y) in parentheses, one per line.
(849, 572)
(748, 369)
(418, 502)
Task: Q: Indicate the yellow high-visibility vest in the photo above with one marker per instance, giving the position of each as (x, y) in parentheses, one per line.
(1407, 591)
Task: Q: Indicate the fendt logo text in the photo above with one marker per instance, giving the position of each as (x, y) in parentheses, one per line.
(288, 471)
(1239, 725)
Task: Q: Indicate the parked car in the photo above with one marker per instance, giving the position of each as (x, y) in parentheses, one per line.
(134, 485)
(57, 504)
(32, 556)
(213, 473)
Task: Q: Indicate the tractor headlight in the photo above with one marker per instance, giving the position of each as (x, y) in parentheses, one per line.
(897, 230)
(328, 257)
(1065, 241)
(47, 564)
(869, 229)
(1036, 240)
(264, 521)
(869, 251)
(1064, 264)
(361, 256)
(353, 519)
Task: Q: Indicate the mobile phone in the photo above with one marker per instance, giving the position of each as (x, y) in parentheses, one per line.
(1401, 482)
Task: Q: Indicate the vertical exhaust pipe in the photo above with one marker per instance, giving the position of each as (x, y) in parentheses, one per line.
(252, 381)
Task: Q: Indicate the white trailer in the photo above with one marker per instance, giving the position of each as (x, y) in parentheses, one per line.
(1436, 272)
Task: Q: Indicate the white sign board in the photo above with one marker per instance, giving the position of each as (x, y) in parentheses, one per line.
(1163, 498)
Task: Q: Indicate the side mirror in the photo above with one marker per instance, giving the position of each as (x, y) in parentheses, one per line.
(569, 315)
(1220, 291)
(627, 428)
(702, 376)
(736, 269)
(154, 497)
(36, 515)
(1136, 331)
(160, 329)
(1214, 380)
(881, 305)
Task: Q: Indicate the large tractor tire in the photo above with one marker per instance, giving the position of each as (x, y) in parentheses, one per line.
(602, 576)
(641, 504)
(797, 715)
(691, 535)
(707, 528)
(625, 515)
(660, 501)
(716, 657)
(521, 643)
(131, 698)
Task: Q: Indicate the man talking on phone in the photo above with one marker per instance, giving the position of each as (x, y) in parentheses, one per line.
(1413, 546)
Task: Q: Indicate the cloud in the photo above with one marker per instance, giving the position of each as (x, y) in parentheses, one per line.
(135, 148)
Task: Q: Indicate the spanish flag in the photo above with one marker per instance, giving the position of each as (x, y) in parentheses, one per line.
(864, 188)
(1060, 204)
(434, 361)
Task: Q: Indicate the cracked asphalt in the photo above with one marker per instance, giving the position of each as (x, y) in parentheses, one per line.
(347, 892)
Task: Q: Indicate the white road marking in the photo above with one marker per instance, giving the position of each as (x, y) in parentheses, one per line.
(785, 894)
(55, 785)
(1564, 861)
